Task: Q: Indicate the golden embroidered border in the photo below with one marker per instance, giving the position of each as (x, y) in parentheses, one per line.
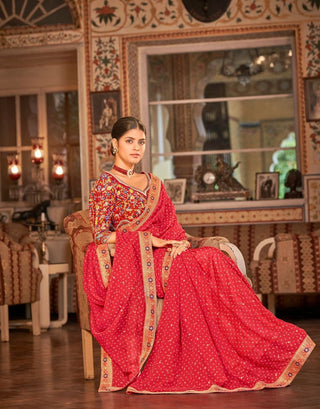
(167, 261)
(150, 294)
(149, 285)
(154, 194)
(285, 378)
(104, 262)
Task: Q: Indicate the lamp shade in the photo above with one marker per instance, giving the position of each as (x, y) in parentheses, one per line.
(14, 169)
(37, 154)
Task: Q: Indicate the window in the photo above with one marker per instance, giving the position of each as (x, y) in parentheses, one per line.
(20, 121)
(222, 99)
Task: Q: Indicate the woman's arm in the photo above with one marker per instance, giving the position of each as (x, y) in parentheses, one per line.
(101, 205)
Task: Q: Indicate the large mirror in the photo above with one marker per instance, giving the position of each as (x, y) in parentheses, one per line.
(235, 101)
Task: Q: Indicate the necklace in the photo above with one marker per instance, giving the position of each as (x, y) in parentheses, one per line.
(128, 172)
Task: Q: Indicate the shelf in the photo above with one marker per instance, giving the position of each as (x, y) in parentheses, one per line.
(241, 212)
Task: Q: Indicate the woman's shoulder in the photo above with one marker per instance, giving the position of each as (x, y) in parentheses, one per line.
(104, 181)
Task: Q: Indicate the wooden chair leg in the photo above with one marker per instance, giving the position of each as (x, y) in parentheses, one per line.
(4, 320)
(35, 313)
(87, 353)
(272, 303)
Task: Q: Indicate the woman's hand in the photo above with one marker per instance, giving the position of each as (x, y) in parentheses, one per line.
(176, 247)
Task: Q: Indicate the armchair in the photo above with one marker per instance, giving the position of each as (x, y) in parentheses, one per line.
(19, 275)
(78, 228)
(287, 263)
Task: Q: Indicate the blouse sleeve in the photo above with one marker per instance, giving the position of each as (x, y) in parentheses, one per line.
(102, 202)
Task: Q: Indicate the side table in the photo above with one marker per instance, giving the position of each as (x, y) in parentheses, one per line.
(61, 270)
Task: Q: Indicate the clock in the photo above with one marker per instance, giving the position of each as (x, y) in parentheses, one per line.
(205, 178)
(206, 10)
(209, 178)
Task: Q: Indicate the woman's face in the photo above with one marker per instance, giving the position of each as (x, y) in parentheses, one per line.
(131, 147)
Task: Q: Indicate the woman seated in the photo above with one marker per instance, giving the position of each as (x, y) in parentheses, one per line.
(214, 335)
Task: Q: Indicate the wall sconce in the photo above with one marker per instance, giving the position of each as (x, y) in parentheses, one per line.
(37, 154)
(14, 173)
(37, 191)
(58, 173)
(14, 169)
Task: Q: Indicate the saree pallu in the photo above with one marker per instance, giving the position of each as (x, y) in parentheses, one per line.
(214, 335)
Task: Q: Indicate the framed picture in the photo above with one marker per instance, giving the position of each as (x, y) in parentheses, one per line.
(105, 110)
(91, 184)
(312, 98)
(267, 185)
(311, 186)
(176, 189)
(6, 214)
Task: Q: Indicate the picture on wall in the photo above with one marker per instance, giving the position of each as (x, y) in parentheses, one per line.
(311, 185)
(267, 185)
(312, 98)
(105, 110)
(176, 189)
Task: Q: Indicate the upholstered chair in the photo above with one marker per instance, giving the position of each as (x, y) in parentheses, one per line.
(19, 275)
(287, 263)
(77, 227)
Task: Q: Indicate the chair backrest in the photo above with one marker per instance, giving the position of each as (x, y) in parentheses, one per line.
(77, 226)
(19, 272)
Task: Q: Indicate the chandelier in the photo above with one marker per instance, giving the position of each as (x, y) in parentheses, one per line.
(246, 63)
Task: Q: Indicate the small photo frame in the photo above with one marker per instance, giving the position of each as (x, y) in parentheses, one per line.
(91, 184)
(312, 98)
(6, 215)
(267, 185)
(176, 189)
(105, 110)
(311, 186)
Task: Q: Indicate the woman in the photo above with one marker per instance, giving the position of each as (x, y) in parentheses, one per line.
(213, 335)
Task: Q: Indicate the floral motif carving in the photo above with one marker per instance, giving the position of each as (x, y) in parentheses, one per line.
(315, 135)
(106, 64)
(313, 50)
(115, 15)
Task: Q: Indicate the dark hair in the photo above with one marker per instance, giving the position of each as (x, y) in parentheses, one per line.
(124, 125)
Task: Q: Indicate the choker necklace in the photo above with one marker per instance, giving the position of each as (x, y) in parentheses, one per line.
(128, 172)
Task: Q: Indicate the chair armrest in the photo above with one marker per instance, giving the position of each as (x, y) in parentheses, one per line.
(266, 242)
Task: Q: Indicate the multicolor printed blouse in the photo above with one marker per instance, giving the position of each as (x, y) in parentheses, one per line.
(113, 203)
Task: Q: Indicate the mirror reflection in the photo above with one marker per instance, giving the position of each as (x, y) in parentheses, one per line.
(235, 103)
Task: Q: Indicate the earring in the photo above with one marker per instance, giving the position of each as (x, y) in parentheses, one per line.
(114, 149)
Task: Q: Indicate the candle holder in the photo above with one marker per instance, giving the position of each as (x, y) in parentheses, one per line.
(14, 173)
(41, 232)
(58, 173)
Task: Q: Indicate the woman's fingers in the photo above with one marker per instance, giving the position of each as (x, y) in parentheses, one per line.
(177, 250)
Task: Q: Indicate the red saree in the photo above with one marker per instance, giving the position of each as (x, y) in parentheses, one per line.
(213, 335)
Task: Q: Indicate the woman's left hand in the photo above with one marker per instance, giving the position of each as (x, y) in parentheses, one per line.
(176, 247)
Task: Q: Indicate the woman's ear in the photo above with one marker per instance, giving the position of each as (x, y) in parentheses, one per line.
(114, 146)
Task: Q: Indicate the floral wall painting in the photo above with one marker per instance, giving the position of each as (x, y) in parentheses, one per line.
(312, 98)
(312, 193)
(105, 110)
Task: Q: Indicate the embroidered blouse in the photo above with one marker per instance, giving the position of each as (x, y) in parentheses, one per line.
(113, 203)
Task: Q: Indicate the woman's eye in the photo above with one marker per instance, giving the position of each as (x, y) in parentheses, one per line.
(142, 142)
(129, 140)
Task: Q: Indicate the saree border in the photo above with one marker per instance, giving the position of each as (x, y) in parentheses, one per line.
(285, 379)
(152, 202)
(149, 329)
